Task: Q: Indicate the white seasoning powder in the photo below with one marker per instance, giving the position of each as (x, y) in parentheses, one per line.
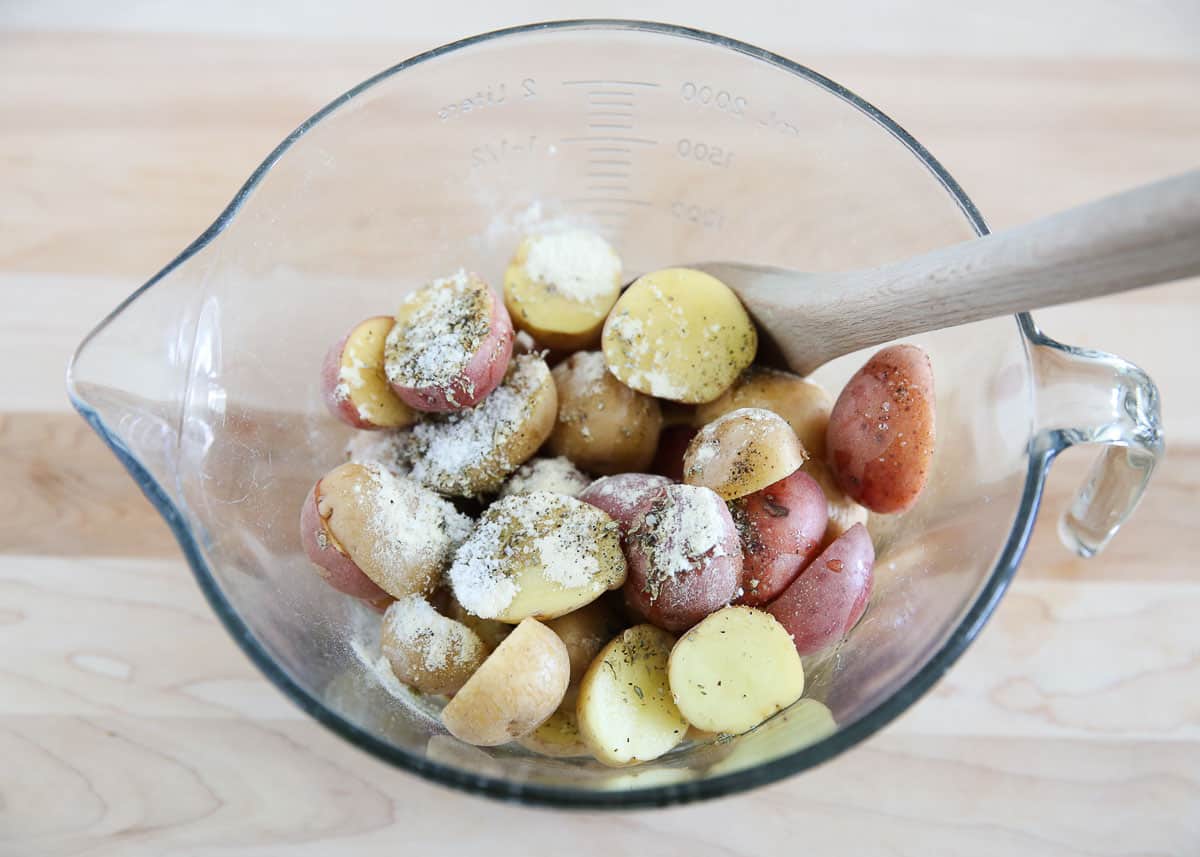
(477, 574)
(579, 265)
(437, 641)
(557, 475)
(390, 450)
(446, 322)
(684, 525)
(408, 526)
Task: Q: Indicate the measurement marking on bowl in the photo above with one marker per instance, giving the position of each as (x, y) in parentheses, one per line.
(587, 200)
(612, 149)
(609, 162)
(592, 174)
(612, 103)
(617, 187)
(612, 92)
(618, 113)
(610, 83)
(619, 126)
(603, 138)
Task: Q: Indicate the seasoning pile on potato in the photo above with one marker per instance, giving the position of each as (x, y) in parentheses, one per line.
(661, 529)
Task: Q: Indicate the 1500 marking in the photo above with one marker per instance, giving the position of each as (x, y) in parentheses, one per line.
(696, 150)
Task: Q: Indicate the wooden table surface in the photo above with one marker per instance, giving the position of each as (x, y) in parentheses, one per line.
(131, 725)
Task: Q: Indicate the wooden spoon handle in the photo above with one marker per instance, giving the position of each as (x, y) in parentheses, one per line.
(1138, 238)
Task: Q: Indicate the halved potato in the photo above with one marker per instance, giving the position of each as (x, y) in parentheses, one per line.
(804, 403)
(734, 670)
(625, 710)
(561, 285)
(679, 334)
(556, 475)
(537, 554)
(514, 691)
(353, 382)
(742, 452)
(558, 737)
(427, 650)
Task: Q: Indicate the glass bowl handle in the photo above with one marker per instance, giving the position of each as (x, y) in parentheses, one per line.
(1087, 396)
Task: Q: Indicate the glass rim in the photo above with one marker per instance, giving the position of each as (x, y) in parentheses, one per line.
(568, 797)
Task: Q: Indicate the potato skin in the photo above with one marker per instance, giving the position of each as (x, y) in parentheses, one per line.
(741, 452)
(804, 403)
(331, 560)
(831, 595)
(662, 532)
(585, 632)
(603, 426)
(429, 651)
(881, 433)
(340, 382)
(514, 691)
(620, 495)
(781, 528)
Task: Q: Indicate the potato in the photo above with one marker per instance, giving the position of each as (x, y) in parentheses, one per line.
(514, 691)
(537, 554)
(560, 287)
(742, 452)
(490, 632)
(450, 345)
(556, 475)
(679, 334)
(603, 426)
(672, 445)
(472, 452)
(585, 632)
(803, 403)
(830, 596)
(781, 528)
(734, 670)
(685, 560)
(881, 432)
(353, 382)
(427, 650)
(844, 513)
(619, 496)
(396, 533)
(558, 737)
(625, 710)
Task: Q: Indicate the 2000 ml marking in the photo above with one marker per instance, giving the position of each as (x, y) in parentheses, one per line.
(491, 96)
(703, 95)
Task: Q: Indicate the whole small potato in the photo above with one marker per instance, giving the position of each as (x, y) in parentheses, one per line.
(395, 532)
(537, 554)
(881, 432)
(450, 345)
(472, 452)
(672, 446)
(603, 426)
(830, 596)
(427, 650)
(679, 334)
(619, 496)
(802, 402)
(514, 691)
(353, 382)
(685, 560)
(561, 285)
(781, 528)
(556, 475)
(742, 452)
(844, 513)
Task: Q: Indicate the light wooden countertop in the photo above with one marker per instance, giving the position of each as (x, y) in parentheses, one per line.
(131, 725)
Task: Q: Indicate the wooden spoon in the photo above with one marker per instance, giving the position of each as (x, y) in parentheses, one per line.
(1142, 237)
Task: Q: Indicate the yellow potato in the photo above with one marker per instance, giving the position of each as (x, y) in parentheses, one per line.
(679, 334)
(844, 513)
(742, 452)
(427, 650)
(803, 403)
(585, 632)
(603, 426)
(514, 691)
(537, 554)
(557, 475)
(560, 286)
(558, 736)
(625, 710)
(734, 670)
(472, 452)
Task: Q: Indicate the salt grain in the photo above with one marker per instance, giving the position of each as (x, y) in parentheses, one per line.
(415, 628)
(579, 265)
(685, 524)
(557, 475)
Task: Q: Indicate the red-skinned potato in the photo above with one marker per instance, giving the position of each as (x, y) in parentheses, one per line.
(781, 527)
(881, 432)
(331, 560)
(672, 444)
(684, 557)
(830, 596)
(353, 382)
(450, 345)
(619, 496)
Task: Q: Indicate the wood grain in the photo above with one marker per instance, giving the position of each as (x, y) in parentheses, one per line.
(131, 725)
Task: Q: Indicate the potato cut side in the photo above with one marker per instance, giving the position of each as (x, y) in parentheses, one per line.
(804, 403)
(514, 691)
(742, 452)
(558, 737)
(625, 710)
(537, 554)
(734, 670)
(560, 287)
(679, 334)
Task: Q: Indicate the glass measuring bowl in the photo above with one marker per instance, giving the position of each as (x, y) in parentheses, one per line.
(679, 146)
